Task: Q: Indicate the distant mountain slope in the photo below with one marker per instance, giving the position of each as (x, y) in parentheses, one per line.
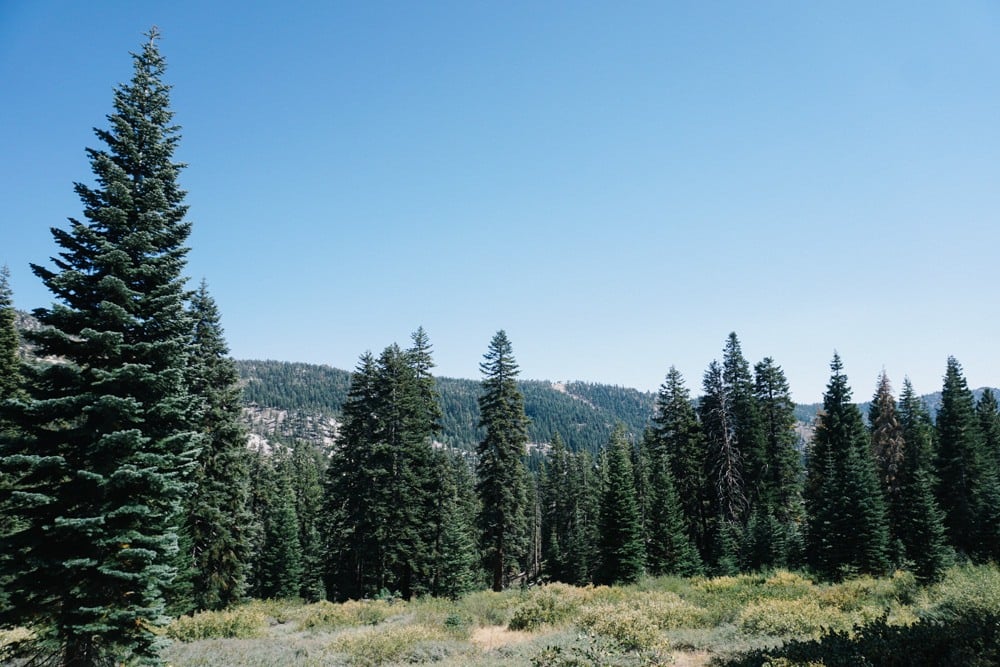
(584, 414)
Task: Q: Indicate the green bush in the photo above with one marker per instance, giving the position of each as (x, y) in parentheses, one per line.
(547, 605)
(239, 623)
(628, 627)
(372, 646)
(800, 616)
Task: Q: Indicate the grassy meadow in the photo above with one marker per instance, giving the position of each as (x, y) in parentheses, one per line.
(661, 621)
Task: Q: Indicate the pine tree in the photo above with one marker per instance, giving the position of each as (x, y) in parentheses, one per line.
(103, 441)
(456, 557)
(10, 342)
(500, 471)
(216, 510)
(307, 464)
(847, 529)
(724, 468)
(779, 516)
(988, 413)
(889, 450)
(921, 527)
(280, 567)
(678, 435)
(968, 489)
(746, 419)
(623, 554)
(669, 549)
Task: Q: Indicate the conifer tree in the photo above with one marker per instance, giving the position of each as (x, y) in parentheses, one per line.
(968, 489)
(456, 557)
(103, 441)
(307, 465)
(988, 413)
(847, 529)
(745, 419)
(569, 516)
(380, 486)
(922, 530)
(10, 342)
(502, 485)
(889, 450)
(678, 435)
(623, 553)
(280, 568)
(216, 509)
(724, 458)
(669, 549)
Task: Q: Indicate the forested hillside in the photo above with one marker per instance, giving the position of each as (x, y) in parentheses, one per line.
(583, 414)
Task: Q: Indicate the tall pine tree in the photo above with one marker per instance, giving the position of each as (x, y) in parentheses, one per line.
(216, 510)
(888, 448)
(968, 489)
(847, 530)
(103, 441)
(623, 553)
(502, 478)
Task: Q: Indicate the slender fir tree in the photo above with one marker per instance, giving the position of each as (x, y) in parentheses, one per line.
(968, 489)
(623, 553)
(10, 342)
(216, 510)
(104, 441)
(669, 549)
(847, 529)
(502, 485)
(678, 435)
(280, 568)
(888, 448)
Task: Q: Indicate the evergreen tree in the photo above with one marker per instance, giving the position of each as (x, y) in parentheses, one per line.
(307, 465)
(745, 419)
(968, 489)
(500, 471)
(847, 530)
(678, 435)
(10, 342)
(918, 430)
(456, 557)
(381, 481)
(988, 413)
(623, 554)
(280, 568)
(669, 549)
(216, 510)
(779, 517)
(103, 442)
(723, 450)
(888, 450)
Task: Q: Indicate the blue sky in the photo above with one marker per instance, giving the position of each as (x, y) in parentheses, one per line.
(618, 185)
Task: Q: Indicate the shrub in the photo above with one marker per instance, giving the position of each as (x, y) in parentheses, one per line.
(239, 623)
(777, 617)
(488, 607)
(669, 612)
(547, 605)
(393, 644)
(330, 616)
(628, 627)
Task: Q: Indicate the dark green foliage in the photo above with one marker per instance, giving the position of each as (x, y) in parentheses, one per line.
(455, 568)
(669, 549)
(918, 522)
(294, 386)
(968, 489)
(216, 511)
(778, 516)
(569, 497)
(381, 482)
(279, 570)
(103, 441)
(308, 468)
(970, 638)
(988, 412)
(847, 529)
(724, 459)
(502, 483)
(623, 554)
(888, 449)
(678, 435)
(10, 341)
(746, 420)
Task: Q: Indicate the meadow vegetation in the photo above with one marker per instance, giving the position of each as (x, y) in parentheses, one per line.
(782, 618)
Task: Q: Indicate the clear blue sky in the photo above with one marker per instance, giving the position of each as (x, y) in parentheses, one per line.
(618, 185)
